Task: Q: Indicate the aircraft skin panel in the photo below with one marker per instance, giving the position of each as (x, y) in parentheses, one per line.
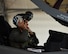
(51, 11)
(10, 50)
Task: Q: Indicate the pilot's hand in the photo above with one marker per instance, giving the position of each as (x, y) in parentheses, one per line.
(30, 31)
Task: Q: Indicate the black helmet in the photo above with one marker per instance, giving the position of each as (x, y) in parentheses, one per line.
(28, 15)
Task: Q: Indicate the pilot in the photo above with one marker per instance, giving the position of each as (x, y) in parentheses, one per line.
(22, 36)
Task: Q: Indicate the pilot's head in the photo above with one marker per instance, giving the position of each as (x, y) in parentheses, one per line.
(19, 17)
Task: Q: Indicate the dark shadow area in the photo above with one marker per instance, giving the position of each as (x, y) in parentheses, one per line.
(5, 30)
(56, 41)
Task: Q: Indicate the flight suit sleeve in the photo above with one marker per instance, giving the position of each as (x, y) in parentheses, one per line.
(33, 39)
